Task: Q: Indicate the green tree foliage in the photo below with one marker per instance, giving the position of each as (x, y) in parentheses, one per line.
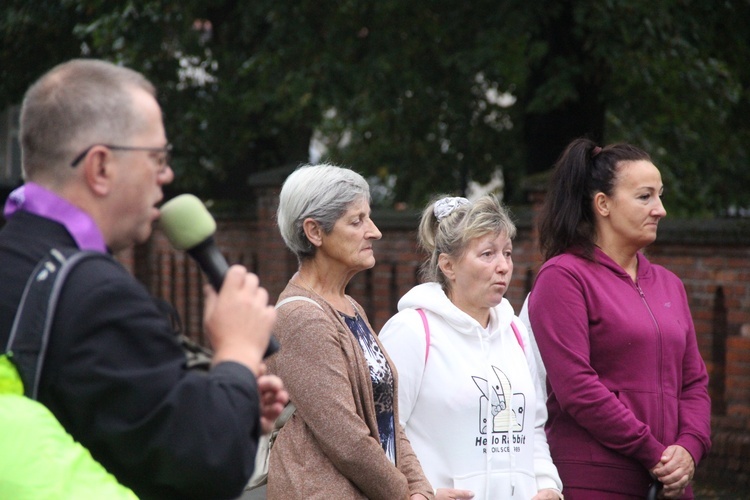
(33, 36)
(432, 94)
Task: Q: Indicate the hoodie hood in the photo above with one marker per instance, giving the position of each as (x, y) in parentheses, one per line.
(431, 297)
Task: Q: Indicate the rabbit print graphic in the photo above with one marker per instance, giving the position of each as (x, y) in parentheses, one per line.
(505, 413)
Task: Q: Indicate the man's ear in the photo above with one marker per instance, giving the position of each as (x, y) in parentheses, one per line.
(313, 231)
(445, 263)
(98, 170)
(601, 204)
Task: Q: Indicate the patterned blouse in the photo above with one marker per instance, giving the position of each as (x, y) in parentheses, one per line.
(382, 383)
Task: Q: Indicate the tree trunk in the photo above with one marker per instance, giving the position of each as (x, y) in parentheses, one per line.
(548, 132)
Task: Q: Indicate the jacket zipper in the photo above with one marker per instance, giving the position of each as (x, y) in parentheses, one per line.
(659, 435)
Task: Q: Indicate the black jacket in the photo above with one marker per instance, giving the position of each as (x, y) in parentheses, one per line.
(115, 377)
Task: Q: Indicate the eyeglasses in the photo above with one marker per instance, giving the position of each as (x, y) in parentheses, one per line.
(162, 160)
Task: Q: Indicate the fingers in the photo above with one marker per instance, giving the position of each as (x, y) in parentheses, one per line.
(209, 296)
(272, 391)
(453, 494)
(673, 491)
(675, 463)
(677, 479)
(547, 494)
(273, 397)
(269, 384)
(238, 278)
(675, 471)
(239, 319)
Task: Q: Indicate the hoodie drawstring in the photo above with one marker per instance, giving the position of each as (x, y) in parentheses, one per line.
(490, 419)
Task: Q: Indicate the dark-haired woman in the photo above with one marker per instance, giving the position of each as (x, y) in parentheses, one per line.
(628, 402)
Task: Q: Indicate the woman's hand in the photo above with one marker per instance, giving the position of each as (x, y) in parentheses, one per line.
(548, 494)
(675, 471)
(453, 494)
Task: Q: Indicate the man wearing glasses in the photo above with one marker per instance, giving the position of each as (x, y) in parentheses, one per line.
(95, 158)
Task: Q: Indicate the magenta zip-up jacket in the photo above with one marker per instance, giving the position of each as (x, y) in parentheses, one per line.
(624, 373)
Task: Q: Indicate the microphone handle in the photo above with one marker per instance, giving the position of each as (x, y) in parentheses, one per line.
(213, 263)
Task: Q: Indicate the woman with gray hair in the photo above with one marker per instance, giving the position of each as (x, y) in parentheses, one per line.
(469, 398)
(343, 440)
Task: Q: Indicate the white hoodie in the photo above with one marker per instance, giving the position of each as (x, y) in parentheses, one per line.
(473, 375)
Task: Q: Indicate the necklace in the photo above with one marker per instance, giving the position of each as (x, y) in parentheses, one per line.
(307, 285)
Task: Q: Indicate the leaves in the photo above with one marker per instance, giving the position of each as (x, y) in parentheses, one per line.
(432, 94)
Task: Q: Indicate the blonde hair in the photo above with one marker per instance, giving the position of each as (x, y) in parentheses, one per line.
(451, 234)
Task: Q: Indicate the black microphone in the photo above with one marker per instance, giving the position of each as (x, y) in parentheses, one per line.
(189, 226)
(211, 261)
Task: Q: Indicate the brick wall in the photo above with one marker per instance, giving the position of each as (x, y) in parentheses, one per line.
(712, 257)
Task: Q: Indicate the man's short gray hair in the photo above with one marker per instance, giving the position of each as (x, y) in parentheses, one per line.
(321, 192)
(75, 105)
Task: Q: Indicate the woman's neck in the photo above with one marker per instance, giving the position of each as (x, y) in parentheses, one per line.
(626, 258)
(480, 314)
(328, 285)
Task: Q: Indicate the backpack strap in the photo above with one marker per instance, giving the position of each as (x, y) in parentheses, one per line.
(518, 335)
(263, 455)
(297, 297)
(289, 409)
(29, 336)
(426, 334)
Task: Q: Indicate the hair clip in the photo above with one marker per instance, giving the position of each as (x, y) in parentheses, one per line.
(445, 206)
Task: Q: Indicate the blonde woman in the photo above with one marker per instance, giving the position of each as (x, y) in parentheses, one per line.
(468, 394)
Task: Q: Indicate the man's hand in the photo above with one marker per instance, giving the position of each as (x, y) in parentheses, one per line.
(675, 471)
(238, 319)
(273, 398)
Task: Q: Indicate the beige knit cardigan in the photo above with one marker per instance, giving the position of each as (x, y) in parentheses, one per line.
(330, 448)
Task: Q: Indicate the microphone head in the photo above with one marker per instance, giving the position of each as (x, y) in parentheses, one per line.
(186, 221)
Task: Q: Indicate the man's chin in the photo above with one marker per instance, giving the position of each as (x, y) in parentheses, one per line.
(144, 235)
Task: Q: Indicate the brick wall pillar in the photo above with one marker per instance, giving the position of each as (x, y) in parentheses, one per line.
(737, 391)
